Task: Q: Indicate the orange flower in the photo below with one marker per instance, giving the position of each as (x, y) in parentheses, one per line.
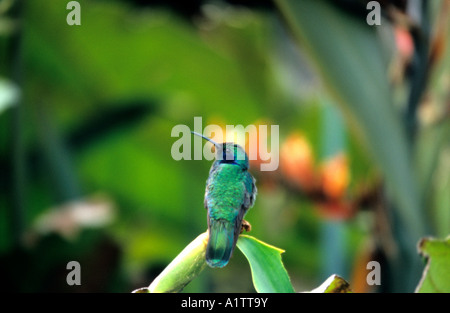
(297, 161)
(335, 176)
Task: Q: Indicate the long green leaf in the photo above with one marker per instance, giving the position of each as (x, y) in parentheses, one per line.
(268, 272)
(351, 61)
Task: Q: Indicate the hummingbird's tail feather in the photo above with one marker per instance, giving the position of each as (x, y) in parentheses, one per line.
(221, 243)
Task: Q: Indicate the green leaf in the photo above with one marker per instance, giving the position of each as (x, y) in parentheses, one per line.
(354, 68)
(183, 269)
(334, 284)
(436, 275)
(430, 142)
(268, 272)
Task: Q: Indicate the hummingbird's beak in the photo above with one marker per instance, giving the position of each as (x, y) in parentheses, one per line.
(210, 140)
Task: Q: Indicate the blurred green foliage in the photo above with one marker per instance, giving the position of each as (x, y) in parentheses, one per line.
(93, 123)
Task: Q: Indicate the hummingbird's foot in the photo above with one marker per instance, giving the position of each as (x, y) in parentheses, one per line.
(245, 226)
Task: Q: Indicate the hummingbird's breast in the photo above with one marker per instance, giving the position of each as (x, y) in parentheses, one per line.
(225, 191)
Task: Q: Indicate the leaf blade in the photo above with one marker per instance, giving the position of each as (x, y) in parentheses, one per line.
(183, 269)
(268, 272)
(436, 275)
(334, 284)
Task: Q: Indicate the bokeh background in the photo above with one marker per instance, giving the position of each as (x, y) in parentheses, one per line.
(86, 114)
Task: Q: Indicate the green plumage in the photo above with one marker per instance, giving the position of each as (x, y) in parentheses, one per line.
(230, 192)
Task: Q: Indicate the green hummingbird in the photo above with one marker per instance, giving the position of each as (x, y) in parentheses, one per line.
(230, 192)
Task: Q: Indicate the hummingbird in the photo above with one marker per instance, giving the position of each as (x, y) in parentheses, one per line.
(230, 192)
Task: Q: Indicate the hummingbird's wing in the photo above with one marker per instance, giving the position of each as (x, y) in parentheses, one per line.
(209, 182)
(205, 201)
(250, 188)
(249, 200)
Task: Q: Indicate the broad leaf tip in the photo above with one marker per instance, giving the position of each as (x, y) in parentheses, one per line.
(334, 284)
